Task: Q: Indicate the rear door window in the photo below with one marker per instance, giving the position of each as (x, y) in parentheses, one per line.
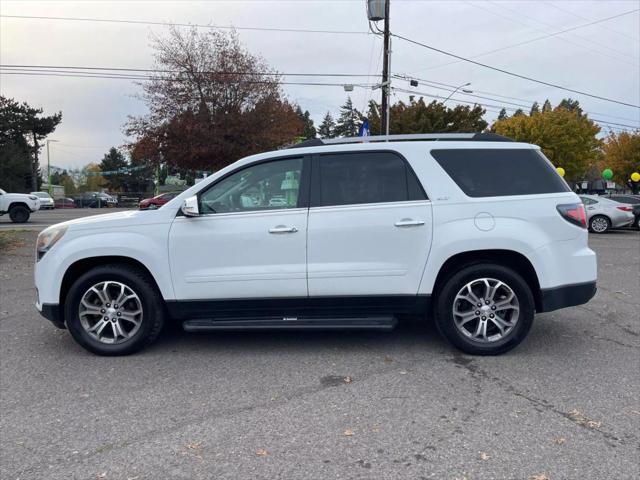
(500, 172)
(361, 178)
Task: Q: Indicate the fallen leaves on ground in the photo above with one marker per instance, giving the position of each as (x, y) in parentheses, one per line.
(579, 417)
(193, 449)
(347, 379)
(388, 359)
(348, 432)
(484, 456)
(560, 440)
(540, 476)
(261, 452)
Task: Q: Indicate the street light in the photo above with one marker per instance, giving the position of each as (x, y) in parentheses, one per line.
(458, 88)
(49, 166)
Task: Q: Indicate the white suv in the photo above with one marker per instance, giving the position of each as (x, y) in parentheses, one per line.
(473, 230)
(19, 206)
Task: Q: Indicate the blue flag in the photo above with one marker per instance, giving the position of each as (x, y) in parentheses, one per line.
(364, 129)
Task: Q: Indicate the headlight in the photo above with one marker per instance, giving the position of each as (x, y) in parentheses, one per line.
(48, 238)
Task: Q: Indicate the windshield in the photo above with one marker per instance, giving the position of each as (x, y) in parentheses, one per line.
(41, 194)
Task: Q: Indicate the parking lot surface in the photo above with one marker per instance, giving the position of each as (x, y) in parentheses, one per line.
(399, 405)
(43, 218)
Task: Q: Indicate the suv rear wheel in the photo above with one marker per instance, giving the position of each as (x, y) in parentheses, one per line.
(19, 214)
(485, 309)
(114, 310)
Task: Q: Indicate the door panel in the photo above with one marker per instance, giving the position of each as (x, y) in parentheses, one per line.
(369, 225)
(235, 256)
(359, 249)
(251, 237)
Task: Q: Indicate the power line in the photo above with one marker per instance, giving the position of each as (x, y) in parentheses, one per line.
(571, 29)
(585, 18)
(203, 72)
(196, 25)
(540, 38)
(502, 106)
(493, 94)
(145, 77)
(524, 77)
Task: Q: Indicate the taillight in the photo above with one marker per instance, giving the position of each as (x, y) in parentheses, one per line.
(573, 213)
(625, 208)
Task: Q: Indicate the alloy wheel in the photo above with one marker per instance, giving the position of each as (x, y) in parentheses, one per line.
(110, 312)
(599, 224)
(485, 310)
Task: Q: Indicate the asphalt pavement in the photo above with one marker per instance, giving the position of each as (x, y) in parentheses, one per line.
(44, 218)
(402, 405)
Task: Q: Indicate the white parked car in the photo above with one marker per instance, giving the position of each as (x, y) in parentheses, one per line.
(46, 201)
(604, 214)
(19, 206)
(473, 230)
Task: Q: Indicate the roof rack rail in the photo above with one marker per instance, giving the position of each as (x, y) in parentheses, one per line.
(485, 137)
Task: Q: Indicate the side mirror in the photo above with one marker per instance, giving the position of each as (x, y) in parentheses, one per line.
(190, 207)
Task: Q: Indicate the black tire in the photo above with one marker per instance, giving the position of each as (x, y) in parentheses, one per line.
(599, 219)
(446, 295)
(153, 315)
(636, 223)
(19, 214)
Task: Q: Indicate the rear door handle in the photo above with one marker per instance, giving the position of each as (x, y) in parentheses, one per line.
(408, 222)
(283, 229)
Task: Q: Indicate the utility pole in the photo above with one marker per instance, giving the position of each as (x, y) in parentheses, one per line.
(386, 66)
(49, 167)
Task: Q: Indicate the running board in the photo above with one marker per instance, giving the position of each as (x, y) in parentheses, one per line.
(289, 323)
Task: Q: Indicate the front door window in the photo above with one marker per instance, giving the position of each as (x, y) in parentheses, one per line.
(265, 186)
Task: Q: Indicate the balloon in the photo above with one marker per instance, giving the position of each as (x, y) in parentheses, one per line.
(607, 174)
(560, 171)
(635, 176)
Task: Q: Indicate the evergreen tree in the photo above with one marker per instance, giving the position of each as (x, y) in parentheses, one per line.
(112, 161)
(348, 122)
(519, 113)
(55, 178)
(503, 114)
(327, 127)
(535, 108)
(546, 106)
(23, 126)
(67, 182)
(571, 105)
(309, 129)
(420, 117)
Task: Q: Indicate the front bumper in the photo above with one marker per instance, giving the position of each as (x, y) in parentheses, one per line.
(53, 313)
(567, 296)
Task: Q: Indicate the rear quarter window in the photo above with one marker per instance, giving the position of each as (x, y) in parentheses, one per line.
(500, 172)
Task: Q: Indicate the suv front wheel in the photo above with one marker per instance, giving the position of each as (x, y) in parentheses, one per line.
(19, 214)
(114, 310)
(485, 309)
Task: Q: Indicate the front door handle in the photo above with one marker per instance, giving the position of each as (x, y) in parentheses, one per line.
(283, 229)
(408, 222)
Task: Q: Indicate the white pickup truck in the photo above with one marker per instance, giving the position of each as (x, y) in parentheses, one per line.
(19, 206)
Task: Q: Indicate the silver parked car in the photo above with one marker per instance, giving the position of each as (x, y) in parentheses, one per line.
(604, 214)
(46, 202)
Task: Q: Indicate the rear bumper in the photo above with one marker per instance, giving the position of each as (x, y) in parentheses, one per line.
(52, 312)
(567, 296)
